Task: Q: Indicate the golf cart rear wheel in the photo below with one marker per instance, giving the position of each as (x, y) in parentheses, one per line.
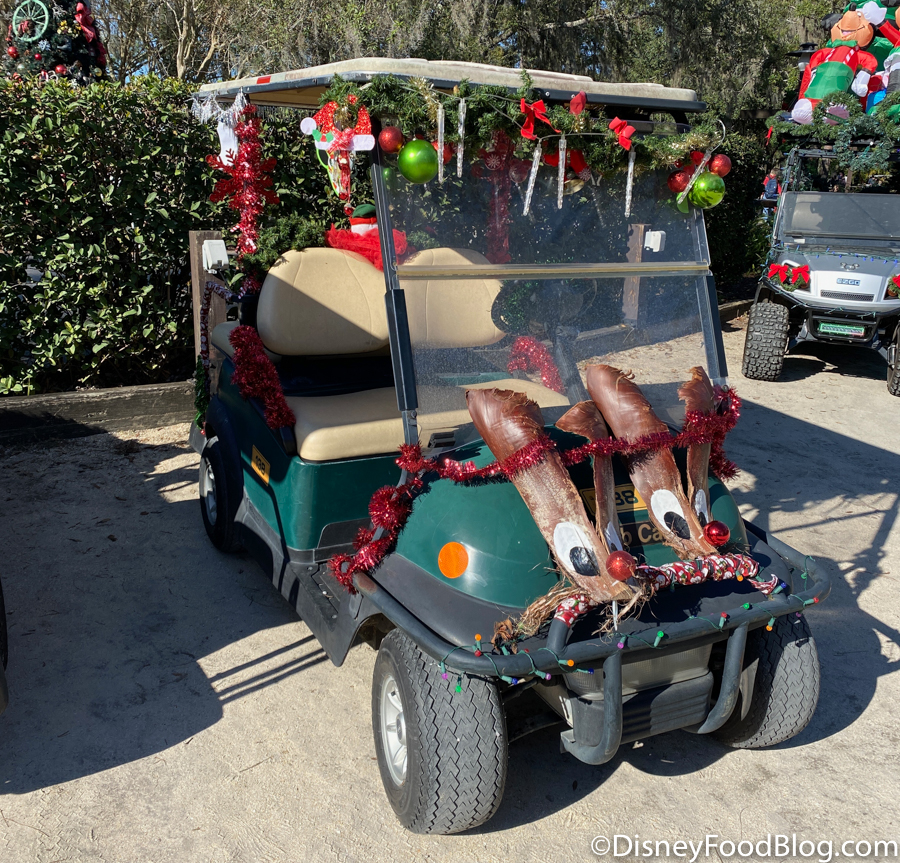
(442, 754)
(766, 342)
(219, 498)
(785, 689)
(893, 372)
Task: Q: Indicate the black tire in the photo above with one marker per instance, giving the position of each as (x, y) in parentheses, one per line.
(220, 497)
(4, 638)
(893, 372)
(455, 742)
(766, 342)
(786, 688)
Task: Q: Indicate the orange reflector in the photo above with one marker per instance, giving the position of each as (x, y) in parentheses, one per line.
(453, 559)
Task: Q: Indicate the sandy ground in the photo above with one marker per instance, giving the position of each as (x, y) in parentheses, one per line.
(167, 706)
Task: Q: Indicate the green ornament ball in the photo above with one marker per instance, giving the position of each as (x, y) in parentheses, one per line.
(707, 191)
(418, 161)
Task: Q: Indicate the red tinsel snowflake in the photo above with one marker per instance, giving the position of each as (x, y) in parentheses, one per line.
(528, 355)
(248, 184)
(255, 377)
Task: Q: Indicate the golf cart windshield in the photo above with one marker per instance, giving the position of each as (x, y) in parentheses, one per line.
(820, 215)
(608, 272)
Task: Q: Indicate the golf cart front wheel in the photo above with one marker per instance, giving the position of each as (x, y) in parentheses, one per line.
(893, 372)
(766, 342)
(785, 690)
(219, 498)
(442, 753)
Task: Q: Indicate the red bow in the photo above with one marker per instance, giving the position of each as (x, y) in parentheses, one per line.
(574, 159)
(800, 273)
(769, 135)
(85, 20)
(535, 111)
(624, 131)
(779, 270)
(576, 106)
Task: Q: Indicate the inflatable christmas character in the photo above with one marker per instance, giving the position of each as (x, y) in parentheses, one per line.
(842, 65)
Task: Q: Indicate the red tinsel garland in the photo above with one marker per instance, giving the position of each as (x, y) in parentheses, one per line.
(497, 158)
(528, 355)
(255, 377)
(390, 506)
(247, 185)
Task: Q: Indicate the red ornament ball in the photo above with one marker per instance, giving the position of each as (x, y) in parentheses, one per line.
(391, 139)
(519, 170)
(448, 151)
(12, 51)
(678, 181)
(37, 56)
(717, 533)
(720, 164)
(60, 69)
(621, 565)
(696, 157)
(678, 164)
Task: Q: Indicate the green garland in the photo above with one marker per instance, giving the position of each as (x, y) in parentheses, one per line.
(862, 143)
(412, 105)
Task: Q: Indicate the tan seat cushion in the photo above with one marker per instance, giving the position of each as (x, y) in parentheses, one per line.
(368, 423)
(321, 302)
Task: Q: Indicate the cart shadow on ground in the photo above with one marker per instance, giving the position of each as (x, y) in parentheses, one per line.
(105, 634)
(104, 646)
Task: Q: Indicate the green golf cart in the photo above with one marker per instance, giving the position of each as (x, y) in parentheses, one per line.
(588, 269)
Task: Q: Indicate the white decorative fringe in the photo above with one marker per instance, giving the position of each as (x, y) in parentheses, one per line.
(561, 173)
(532, 176)
(440, 141)
(629, 183)
(205, 108)
(461, 132)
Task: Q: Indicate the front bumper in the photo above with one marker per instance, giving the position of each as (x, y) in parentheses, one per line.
(818, 322)
(601, 728)
(806, 585)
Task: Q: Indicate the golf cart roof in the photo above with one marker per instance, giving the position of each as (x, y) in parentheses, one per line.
(303, 88)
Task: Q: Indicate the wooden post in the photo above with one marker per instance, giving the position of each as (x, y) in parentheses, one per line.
(199, 278)
(631, 294)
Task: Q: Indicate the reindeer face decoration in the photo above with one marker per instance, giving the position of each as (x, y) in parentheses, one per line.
(655, 475)
(508, 422)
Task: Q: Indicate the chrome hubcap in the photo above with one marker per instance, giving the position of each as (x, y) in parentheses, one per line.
(393, 729)
(208, 490)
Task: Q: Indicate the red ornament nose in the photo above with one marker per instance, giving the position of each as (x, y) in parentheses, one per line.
(621, 565)
(717, 533)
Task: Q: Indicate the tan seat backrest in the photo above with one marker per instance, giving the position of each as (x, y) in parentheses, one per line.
(321, 302)
(451, 313)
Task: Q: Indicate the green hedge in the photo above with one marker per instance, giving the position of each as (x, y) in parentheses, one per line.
(99, 187)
